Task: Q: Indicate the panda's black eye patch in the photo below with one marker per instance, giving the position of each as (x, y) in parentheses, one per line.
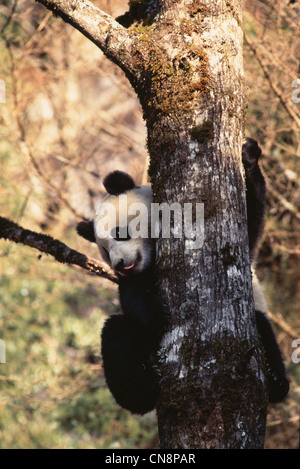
(120, 233)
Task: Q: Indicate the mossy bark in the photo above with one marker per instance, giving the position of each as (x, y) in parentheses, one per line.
(193, 97)
(185, 63)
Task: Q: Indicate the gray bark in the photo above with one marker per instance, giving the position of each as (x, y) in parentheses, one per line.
(212, 396)
(187, 70)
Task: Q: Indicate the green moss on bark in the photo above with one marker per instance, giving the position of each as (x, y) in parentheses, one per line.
(169, 85)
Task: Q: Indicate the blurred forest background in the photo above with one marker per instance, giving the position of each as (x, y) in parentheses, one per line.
(70, 117)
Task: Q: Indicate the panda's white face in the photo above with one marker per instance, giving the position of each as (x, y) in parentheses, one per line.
(126, 254)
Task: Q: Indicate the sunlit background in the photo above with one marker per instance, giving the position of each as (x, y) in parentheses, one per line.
(69, 118)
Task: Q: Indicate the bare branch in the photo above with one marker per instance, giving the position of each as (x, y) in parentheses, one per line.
(285, 203)
(27, 153)
(283, 324)
(62, 253)
(273, 85)
(112, 38)
(25, 147)
(9, 17)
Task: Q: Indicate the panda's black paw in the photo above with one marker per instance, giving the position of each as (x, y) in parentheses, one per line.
(152, 366)
(250, 153)
(144, 391)
(278, 386)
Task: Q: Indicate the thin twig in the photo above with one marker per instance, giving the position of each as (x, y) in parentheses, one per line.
(26, 151)
(9, 17)
(274, 87)
(24, 147)
(285, 203)
(112, 38)
(40, 28)
(279, 320)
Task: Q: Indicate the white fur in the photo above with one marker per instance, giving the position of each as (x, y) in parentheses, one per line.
(259, 298)
(137, 251)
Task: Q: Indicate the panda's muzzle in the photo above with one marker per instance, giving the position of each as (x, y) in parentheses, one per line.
(119, 266)
(123, 269)
(127, 269)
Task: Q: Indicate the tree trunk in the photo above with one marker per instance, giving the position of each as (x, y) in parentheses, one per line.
(187, 69)
(194, 102)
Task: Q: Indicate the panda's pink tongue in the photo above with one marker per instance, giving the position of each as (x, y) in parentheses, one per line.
(129, 267)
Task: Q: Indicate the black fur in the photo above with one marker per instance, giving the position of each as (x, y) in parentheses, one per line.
(278, 385)
(86, 230)
(118, 182)
(255, 192)
(130, 340)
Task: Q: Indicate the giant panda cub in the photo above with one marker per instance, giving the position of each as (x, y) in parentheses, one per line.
(130, 340)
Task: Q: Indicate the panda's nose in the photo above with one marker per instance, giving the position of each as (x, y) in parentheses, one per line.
(120, 265)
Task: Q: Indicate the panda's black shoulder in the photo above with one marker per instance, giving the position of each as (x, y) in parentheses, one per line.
(118, 182)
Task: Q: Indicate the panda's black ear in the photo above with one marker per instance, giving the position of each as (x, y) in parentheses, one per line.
(118, 182)
(86, 230)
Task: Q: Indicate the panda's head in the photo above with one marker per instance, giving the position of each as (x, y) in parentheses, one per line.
(128, 251)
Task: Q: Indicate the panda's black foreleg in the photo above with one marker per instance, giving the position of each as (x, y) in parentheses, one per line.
(142, 305)
(278, 384)
(255, 192)
(130, 376)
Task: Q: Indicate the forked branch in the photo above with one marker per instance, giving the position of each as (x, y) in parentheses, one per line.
(112, 38)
